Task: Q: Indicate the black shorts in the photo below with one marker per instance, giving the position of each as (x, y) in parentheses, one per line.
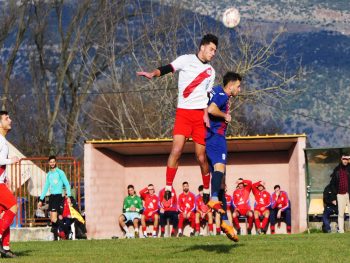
(55, 203)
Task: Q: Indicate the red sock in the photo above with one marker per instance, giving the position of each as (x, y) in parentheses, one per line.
(162, 229)
(6, 220)
(193, 221)
(206, 180)
(6, 238)
(198, 227)
(236, 222)
(155, 228)
(181, 221)
(173, 231)
(289, 229)
(272, 228)
(218, 230)
(264, 222)
(257, 223)
(211, 228)
(250, 222)
(170, 175)
(144, 228)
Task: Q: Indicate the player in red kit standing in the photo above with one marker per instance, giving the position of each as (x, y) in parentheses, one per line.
(187, 208)
(196, 78)
(241, 204)
(261, 209)
(150, 212)
(280, 207)
(203, 213)
(7, 199)
(168, 210)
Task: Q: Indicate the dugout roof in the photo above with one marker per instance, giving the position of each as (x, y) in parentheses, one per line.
(163, 146)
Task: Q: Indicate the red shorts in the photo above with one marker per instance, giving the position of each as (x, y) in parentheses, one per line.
(7, 199)
(261, 212)
(243, 211)
(150, 218)
(190, 124)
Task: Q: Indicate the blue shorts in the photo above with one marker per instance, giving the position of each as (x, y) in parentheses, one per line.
(130, 216)
(216, 149)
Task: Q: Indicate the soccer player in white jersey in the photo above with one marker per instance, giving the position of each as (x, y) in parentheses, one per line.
(8, 202)
(196, 78)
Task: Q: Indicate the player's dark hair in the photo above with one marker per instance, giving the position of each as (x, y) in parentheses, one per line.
(184, 183)
(231, 76)
(150, 185)
(130, 186)
(52, 157)
(3, 112)
(209, 38)
(200, 188)
(276, 186)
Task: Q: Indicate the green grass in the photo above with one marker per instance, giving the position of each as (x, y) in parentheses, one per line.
(277, 248)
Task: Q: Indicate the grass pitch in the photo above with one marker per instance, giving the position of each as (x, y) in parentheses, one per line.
(277, 248)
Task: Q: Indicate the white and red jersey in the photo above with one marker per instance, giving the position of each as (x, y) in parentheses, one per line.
(4, 160)
(186, 202)
(195, 80)
(281, 201)
(171, 204)
(150, 202)
(241, 196)
(262, 198)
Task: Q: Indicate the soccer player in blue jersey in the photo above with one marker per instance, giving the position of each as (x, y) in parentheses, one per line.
(216, 147)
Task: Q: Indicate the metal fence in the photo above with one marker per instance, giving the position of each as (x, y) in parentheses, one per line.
(27, 181)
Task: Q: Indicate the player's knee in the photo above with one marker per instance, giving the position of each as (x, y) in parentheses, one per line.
(121, 219)
(175, 153)
(201, 158)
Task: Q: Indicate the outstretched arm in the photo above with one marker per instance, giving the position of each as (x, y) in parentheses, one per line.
(149, 75)
(157, 72)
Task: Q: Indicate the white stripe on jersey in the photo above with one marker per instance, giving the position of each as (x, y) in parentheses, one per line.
(195, 80)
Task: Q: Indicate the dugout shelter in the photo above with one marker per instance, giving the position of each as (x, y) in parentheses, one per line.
(111, 165)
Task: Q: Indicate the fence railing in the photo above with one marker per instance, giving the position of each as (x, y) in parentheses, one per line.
(27, 181)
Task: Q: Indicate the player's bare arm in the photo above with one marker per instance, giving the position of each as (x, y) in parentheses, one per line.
(149, 75)
(206, 118)
(157, 72)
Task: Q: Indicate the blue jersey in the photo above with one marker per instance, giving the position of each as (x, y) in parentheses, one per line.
(221, 99)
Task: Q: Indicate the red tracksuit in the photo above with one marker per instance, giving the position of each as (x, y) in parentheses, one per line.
(150, 204)
(186, 204)
(203, 209)
(262, 204)
(241, 203)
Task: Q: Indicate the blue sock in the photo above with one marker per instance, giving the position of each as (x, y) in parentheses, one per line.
(216, 183)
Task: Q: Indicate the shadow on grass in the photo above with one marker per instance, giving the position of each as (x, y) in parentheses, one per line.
(23, 253)
(219, 249)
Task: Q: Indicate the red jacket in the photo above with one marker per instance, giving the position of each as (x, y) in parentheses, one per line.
(171, 204)
(150, 202)
(262, 198)
(200, 205)
(241, 196)
(228, 201)
(281, 201)
(186, 202)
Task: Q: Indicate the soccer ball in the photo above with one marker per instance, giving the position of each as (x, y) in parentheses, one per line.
(231, 17)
